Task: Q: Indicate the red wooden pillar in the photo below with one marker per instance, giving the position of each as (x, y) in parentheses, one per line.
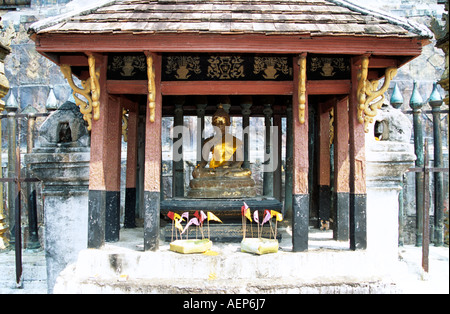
(324, 163)
(341, 170)
(131, 177)
(300, 206)
(113, 165)
(152, 170)
(358, 194)
(104, 175)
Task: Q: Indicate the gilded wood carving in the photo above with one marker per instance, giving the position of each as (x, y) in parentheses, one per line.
(183, 66)
(272, 67)
(151, 86)
(302, 88)
(222, 67)
(225, 67)
(95, 86)
(369, 98)
(328, 67)
(90, 91)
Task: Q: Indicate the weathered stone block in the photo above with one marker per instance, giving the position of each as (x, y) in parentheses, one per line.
(62, 164)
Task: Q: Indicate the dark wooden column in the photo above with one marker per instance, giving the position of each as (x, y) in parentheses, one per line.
(324, 163)
(300, 206)
(112, 177)
(131, 177)
(101, 170)
(358, 194)
(152, 172)
(341, 171)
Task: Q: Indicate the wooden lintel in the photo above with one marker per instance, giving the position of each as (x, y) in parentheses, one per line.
(74, 60)
(127, 87)
(382, 63)
(244, 43)
(337, 87)
(227, 88)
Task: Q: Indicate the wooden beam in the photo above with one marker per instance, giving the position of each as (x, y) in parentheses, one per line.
(227, 88)
(337, 87)
(383, 63)
(74, 60)
(243, 43)
(127, 87)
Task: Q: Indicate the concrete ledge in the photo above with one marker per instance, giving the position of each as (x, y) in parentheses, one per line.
(258, 286)
(124, 269)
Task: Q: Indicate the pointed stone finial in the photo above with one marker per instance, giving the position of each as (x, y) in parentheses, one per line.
(416, 101)
(396, 98)
(52, 102)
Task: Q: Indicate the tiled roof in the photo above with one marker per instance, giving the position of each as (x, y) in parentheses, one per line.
(271, 17)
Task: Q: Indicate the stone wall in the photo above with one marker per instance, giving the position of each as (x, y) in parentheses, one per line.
(31, 76)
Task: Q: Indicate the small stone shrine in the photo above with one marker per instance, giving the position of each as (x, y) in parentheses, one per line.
(61, 162)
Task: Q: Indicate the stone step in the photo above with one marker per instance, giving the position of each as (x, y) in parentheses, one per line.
(115, 269)
(258, 286)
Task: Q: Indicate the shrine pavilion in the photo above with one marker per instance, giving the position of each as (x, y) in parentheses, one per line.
(315, 63)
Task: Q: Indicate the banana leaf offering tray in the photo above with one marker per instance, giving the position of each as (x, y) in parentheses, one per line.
(259, 246)
(190, 246)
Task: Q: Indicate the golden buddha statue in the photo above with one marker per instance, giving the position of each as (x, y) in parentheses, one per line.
(225, 177)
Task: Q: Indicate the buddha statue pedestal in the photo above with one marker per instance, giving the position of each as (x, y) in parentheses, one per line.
(222, 187)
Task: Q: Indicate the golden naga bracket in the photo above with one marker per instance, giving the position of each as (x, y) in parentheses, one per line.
(90, 91)
(95, 86)
(151, 86)
(367, 93)
(302, 88)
